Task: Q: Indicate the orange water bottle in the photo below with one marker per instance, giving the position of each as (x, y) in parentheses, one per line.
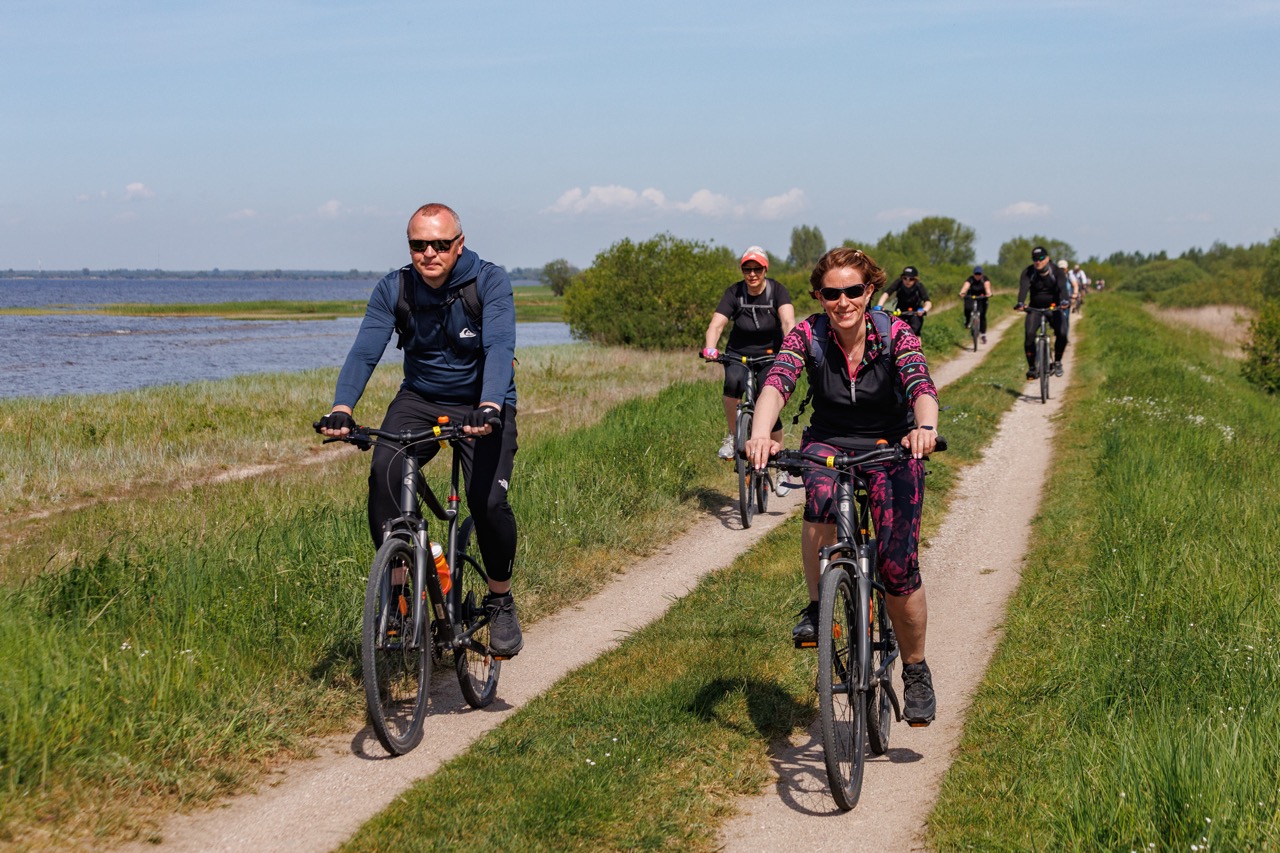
(442, 567)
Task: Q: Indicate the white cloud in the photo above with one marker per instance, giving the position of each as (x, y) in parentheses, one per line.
(1024, 210)
(704, 202)
(138, 190)
(243, 213)
(331, 209)
(902, 214)
(100, 195)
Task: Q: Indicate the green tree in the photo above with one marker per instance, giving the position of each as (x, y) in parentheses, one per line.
(1016, 253)
(558, 274)
(1271, 270)
(1262, 352)
(932, 241)
(807, 245)
(658, 294)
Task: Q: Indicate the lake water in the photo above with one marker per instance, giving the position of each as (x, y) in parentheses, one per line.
(79, 354)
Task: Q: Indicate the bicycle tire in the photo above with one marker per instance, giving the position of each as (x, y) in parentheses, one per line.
(883, 646)
(842, 710)
(746, 476)
(973, 326)
(1042, 361)
(477, 671)
(396, 668)
(763, 483)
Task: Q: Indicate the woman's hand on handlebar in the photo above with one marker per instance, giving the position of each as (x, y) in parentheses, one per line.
(920, 442)
(760, 449)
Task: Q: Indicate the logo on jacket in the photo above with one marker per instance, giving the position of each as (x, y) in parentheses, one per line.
(466, 333)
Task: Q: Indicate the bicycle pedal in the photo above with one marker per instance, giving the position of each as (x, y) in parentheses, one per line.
(923, 725)
(502, 657)
(806, 644)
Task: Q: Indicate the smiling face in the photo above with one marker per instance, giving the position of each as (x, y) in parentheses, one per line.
(433, 265)
(846, 312)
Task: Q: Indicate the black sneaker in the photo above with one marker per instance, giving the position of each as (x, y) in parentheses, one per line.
(505, 638)
(1031, 374)
(1056, 367)
(806, 633)
(919, 705)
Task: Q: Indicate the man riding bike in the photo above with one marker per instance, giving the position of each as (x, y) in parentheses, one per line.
(975, 291)
(1046, 285)
(912, 298)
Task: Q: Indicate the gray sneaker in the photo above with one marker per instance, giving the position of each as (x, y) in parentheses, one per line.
(1056, 367)
(727, 450)
(919, 704)
(505, 638)
(781, 489)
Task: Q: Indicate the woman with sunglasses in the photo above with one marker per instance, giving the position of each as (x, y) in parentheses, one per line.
(761, 312)
(860, 396)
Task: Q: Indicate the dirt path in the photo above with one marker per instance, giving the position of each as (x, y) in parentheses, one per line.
(970, 571)
(318, 804)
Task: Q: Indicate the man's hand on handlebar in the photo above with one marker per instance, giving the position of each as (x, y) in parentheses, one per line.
(482, 420)
(920, 442)
(337, 423)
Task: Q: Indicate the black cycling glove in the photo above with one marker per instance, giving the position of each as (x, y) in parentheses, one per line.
(337, 420)
(485, 415)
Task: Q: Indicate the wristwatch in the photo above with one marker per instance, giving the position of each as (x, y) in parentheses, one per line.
(926, 427)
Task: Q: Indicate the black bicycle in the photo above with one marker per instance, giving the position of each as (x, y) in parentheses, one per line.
(1042, 349)
(753, 485)
(414, 615)
(975, 317)
(856, 645)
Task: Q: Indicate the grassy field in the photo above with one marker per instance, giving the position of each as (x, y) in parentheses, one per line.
(534, 303)
(1133, 703)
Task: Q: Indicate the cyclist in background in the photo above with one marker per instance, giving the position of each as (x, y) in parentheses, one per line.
(1045, 285)
(455, 365)
(974, 287)
(1080, 280)
(911, 296)
(864, 389)
(761, 312)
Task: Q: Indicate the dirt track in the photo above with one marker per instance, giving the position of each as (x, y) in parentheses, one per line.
(317, 804)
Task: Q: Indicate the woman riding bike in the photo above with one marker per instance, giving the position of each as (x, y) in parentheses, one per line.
(975, 291)
(865, 388)
(761, 312)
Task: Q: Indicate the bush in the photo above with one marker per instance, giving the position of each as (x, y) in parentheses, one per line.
(1164, 275)
(658, 294)
(1271, 271)
(557, 274)
(1262, 352)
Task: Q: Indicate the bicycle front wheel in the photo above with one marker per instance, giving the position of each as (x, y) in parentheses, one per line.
(396, 665)
(1042, 362)
(477, 670)
(884, 647)
(841, 707)
(746, 476)
(973, 327)
(762, 491)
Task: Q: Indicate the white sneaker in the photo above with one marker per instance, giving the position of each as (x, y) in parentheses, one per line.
(726, 448)
(781, 489)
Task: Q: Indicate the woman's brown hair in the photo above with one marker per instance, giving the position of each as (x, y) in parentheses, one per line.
(843, 256)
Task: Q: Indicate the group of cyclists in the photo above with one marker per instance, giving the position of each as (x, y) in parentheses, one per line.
(869, 380)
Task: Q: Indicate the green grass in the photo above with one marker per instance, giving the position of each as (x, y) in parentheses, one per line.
(533, 303)
(1133, 703)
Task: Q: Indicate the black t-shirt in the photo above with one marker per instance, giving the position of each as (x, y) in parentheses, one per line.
(1040, 290)
(977, 285)
(912, 298)
(756, 327)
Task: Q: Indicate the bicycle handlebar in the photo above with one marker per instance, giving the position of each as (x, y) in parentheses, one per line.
(362, 437)
(797, 461)
(748, 360)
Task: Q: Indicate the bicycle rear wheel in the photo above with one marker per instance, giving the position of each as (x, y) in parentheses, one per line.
(883, 648)
(973, 326)
(477, 670)
(396, 665)
(842, 709)
(762, 491)
(746, 476)
(1042, 366)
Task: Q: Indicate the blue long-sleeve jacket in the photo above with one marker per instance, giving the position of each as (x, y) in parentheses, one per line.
(447, 359)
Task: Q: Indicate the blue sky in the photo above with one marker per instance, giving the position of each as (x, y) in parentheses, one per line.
(301, 134)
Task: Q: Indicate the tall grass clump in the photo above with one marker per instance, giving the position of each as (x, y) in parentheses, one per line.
(1133, 702)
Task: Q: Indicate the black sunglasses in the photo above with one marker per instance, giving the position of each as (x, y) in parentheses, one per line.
(441, 246)
(833, 294)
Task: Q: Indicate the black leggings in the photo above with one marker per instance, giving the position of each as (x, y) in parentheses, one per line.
(1058, 322)
(487, 463)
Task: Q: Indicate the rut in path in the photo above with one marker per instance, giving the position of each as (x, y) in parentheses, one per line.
(318, 804)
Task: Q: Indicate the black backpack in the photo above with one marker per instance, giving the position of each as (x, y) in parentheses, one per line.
(404, 309)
